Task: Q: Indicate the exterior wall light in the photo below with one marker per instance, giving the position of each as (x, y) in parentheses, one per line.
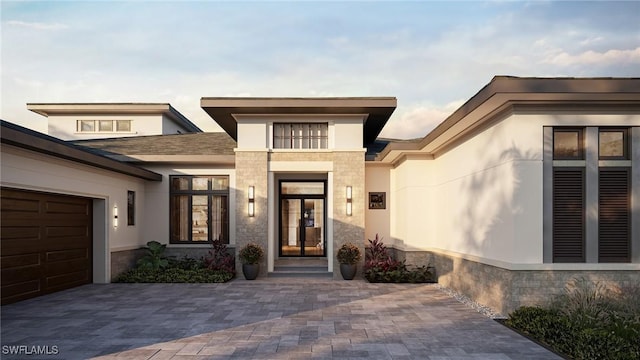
(349, 201)
(252, 201)
(115, 216)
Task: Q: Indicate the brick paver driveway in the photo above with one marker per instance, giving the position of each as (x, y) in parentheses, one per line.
(276, 318)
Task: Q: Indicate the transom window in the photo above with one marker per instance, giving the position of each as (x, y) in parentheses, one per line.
(199, 209)
(613, 144)
(568, 144)
(103, 125)
(300, 135)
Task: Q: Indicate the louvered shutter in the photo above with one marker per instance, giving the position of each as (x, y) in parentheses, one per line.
(568, 214)
(614, 215)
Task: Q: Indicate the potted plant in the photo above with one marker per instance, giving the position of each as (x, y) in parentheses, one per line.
(250, 256)
(348, 257)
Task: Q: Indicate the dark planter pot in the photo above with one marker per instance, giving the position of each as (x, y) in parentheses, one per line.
(348, 271)
(250, 271)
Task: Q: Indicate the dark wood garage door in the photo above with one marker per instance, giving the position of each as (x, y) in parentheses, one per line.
(45, 243)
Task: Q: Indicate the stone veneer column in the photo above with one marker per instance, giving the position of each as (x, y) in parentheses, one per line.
(348, 170)
(251, 170)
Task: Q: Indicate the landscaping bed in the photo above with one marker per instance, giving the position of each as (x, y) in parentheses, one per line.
(380, 267)
(587, 322)
(217, 267)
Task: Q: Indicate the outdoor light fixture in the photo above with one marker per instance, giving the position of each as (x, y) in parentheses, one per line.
(349, 201)
(115, 216)
(252, 198)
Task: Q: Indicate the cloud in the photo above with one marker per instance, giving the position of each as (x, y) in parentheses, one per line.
(38, 25)
(591, 57)
(418, 121)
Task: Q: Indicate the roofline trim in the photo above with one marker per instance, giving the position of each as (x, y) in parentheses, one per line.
(47, 109)
(508, 91)
(21, 137)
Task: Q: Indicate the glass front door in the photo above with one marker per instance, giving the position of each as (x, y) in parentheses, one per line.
(302, 219)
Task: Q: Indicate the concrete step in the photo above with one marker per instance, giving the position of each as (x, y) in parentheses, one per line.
(301, 274)
(301, 267)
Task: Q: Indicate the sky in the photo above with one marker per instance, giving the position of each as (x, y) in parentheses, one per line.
(432, 56)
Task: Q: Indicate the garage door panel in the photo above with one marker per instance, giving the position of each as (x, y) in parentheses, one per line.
(20, 247)
(20, 291)
(57, 207)
(63, 232)
(46, 243)
(11, 204)
(66, 255)
(65, 281)
(18, 231)
(20, 274)
(17, 261)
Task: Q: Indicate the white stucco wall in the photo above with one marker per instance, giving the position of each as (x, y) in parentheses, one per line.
(253, 134)
(169, 126)
(347, 133)
(65, 127)
(484, 197)
(378, 221)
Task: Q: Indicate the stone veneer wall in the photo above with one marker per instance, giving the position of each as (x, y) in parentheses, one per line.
(505, 290)
(122, 261)
(348, 170)
(252, 170)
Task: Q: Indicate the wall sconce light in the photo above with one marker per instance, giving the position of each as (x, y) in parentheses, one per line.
(252, 203)
(115, 216)
(349, 201)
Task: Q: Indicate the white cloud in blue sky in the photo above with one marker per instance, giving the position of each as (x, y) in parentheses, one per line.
(432, 56)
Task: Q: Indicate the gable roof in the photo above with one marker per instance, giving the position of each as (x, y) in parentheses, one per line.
(377, 109)
(506, 92)
(48, 109)
(22, 137)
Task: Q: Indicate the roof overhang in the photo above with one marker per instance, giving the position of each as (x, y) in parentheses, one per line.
(377, 110)
(61, 109)
(21, 137)
(504, 95)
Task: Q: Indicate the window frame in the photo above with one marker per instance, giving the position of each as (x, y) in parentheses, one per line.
(580, 131)
(625, 143)
(97, 126)
(306, 136)
(190, 192)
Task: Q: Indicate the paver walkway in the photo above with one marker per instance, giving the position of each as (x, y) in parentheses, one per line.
(279, 318)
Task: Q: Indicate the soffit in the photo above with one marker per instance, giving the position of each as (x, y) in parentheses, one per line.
(378, 109)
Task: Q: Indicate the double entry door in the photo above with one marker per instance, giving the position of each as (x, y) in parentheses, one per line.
(302, 219)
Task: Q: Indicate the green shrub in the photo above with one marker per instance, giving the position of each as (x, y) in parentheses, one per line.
(349, 254)
(174, 275)
(380, 267)
(251, 253)
(154, 258)
(586, 322)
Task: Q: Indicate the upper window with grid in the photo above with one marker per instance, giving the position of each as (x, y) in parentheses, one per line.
(300, 136)
(103, 126)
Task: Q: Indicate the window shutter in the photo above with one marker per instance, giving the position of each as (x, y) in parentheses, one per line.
(568, 215)
(614, 215)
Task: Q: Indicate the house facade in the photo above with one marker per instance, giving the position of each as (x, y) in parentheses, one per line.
(530, 183)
